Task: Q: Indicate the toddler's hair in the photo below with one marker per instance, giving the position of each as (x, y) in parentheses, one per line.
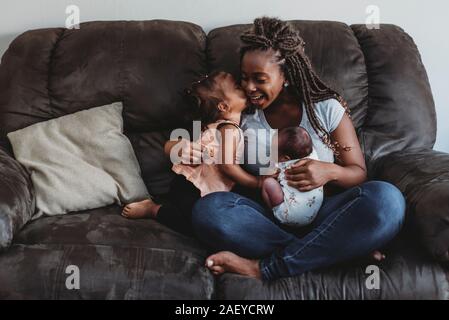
(203, 97)
(294, 142)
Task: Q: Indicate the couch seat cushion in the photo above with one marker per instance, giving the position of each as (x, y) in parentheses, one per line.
(406, 273)
(117, 259)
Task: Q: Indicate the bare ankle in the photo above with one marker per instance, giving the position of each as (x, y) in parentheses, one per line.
(257, 272)
(155, 209)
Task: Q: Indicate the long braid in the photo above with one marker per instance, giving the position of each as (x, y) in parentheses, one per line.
(271, 33)
(305, 88)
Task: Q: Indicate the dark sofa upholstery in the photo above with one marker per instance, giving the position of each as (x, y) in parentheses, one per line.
(51, 72)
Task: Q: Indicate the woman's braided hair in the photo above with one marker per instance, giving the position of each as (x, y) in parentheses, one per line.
(271, 33)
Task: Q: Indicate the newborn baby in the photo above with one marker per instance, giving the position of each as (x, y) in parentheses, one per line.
(291, 206)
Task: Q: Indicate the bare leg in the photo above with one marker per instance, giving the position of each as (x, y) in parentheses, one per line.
(142, 209)
(272, 193)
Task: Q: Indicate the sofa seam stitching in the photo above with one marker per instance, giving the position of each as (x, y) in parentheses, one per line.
(50, 69)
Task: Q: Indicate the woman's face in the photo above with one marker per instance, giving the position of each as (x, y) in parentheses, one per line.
(261, 77)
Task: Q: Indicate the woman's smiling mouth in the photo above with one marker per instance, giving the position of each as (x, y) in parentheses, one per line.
(256, 98)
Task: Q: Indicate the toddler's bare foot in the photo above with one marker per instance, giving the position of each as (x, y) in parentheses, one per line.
(142, 209)
(225, 261)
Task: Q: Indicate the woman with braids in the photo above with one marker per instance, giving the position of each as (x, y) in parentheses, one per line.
(280, 83)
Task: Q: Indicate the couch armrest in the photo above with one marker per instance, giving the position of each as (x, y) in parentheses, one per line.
(17, 201)
(423, 178)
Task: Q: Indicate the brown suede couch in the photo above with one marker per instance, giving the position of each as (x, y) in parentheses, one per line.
(52, 72)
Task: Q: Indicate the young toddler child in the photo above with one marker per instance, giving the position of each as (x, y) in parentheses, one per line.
(218, 102)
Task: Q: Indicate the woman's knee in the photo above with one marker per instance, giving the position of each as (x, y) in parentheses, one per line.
(209, 211)
(385, 205)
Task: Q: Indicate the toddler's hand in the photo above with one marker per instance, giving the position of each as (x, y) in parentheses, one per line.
(190, 153)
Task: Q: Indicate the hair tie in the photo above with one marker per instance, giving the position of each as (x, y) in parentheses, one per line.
(204, 77)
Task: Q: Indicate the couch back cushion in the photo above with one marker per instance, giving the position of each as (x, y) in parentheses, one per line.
(378, 71)
(49, 73)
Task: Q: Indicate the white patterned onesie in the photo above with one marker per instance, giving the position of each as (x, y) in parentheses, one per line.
(299, 208)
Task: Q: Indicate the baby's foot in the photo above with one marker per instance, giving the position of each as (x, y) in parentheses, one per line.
(142, 209)
(377, 255)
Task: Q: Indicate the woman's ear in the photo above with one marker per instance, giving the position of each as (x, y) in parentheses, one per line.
(223, 107)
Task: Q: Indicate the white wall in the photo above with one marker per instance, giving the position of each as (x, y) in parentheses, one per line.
(423, 20)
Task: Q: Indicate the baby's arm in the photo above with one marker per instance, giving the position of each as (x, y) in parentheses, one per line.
(272, 193)
(230, 136)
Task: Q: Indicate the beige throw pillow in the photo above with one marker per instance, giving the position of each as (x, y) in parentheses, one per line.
(80, 161)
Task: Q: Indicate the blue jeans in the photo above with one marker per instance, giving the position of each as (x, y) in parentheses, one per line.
(348, 225)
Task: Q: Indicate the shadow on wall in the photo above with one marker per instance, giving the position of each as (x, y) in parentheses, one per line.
(5, 40)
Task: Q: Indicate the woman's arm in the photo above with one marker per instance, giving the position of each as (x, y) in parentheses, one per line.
(230, 136)
(350, 169)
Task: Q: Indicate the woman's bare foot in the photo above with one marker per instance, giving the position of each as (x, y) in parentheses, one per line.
(225, 261)
(377, 255)
(142, 209)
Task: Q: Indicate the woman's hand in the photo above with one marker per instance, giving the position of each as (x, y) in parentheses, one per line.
(308, 174)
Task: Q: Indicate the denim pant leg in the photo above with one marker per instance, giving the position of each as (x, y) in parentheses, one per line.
(229, 221)
(349, 225)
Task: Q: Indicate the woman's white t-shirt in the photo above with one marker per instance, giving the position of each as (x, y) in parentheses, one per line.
(258, 134)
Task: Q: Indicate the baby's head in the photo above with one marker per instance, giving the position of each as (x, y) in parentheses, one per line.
(293, 143)
(215, 97)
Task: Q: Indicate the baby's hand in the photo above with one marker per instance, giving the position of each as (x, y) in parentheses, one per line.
(275, 175)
